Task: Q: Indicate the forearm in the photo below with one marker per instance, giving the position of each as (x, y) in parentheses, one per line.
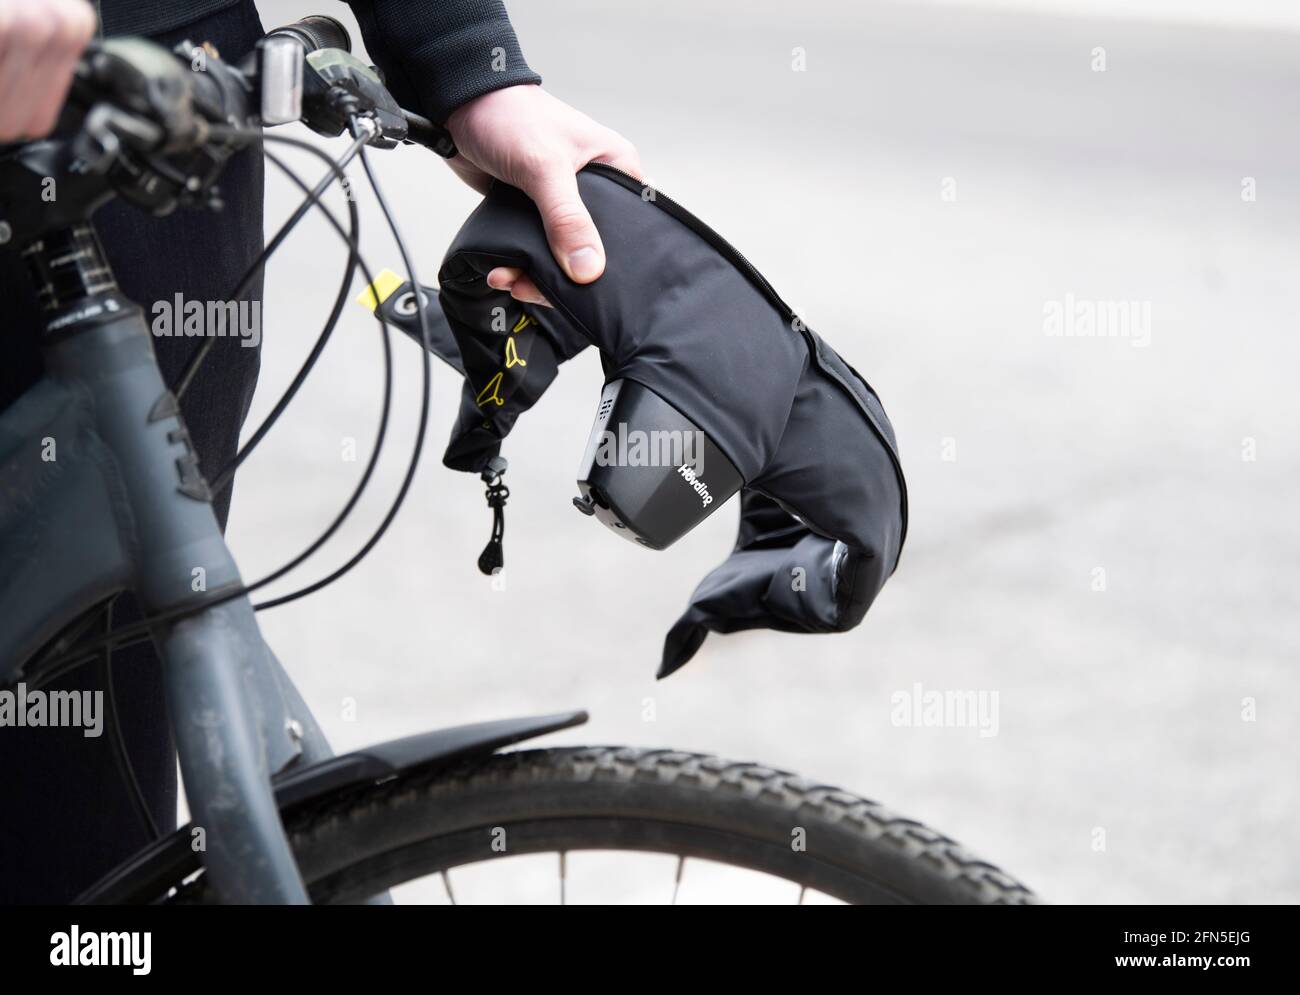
(439, 54)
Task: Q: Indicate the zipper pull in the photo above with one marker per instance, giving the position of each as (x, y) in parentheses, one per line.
(493, 558)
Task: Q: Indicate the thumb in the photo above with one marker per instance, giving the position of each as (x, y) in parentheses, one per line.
(572, 234)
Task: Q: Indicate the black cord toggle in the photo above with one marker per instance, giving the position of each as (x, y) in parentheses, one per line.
(493, 557)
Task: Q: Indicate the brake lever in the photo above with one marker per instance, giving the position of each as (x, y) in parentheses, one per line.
(99, 142)
(338, 86)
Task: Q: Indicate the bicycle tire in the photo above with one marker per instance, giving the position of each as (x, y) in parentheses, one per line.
(363, 841)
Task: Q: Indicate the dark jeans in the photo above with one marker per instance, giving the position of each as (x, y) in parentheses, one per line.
(65, 816)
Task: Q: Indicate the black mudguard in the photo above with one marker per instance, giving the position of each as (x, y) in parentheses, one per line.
(171, 859)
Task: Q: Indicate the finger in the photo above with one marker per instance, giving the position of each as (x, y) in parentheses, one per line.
(47, 101)
(75, 26)
(572, 235)
(17, 85)
(622, 156)
(8, 113)
(521, 288)
(528, 292)
(503, 277)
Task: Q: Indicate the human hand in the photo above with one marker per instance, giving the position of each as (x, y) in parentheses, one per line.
(40, 41)
(525, 137)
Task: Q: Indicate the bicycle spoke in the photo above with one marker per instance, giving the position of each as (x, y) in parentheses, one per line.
(446, 882)
(602, 875)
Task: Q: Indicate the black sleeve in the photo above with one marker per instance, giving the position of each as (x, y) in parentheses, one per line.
(439, 54)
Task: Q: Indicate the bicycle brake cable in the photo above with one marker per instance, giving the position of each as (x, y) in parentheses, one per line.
(204, 347)
(64, 658)
(427, 343)
(141, 630)
(367, 473)
(227, 472)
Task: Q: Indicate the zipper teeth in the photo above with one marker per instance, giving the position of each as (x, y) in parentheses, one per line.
(737, 259)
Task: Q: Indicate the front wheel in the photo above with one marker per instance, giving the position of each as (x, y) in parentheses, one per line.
(480, 830)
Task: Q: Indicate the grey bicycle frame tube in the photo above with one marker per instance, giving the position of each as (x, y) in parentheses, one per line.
(100, 494)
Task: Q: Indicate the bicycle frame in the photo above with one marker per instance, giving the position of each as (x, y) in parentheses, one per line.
(103, 494)
(100, 489)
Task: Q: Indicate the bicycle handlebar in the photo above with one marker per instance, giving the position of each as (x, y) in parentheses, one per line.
(157, 126)
(320, 34)
(316, 32)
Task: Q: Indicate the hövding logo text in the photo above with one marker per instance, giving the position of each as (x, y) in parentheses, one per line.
(697, 483)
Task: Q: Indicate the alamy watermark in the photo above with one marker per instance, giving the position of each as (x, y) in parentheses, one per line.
(638, 447)
(181, 318)
(1079, 318)
(922, 708)
(102, 949)
(21, 708)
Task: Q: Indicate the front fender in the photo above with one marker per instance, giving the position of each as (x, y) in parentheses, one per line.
(169, 860)
(437, 748)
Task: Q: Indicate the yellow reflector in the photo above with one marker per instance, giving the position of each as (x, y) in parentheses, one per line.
(379, 291)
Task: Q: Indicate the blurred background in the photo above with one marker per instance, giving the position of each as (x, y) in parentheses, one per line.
(1103, 529)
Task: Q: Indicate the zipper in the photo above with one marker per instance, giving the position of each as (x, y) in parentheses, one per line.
(734, 256)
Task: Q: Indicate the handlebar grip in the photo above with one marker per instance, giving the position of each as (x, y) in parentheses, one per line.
(316, 32)
(424, 132)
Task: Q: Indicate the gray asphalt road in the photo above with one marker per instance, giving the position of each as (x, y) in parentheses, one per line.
(1103, 528)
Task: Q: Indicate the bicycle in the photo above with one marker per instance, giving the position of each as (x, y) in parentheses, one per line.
(286, 821)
